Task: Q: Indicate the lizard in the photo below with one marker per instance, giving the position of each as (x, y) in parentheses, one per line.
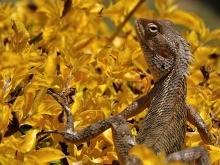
(168, 57)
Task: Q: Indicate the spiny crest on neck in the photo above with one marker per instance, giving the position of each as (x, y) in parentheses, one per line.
(185, 56)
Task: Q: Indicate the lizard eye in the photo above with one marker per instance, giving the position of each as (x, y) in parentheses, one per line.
(153, 28)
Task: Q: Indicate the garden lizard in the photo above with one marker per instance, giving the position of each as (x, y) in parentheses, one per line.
(163, 129)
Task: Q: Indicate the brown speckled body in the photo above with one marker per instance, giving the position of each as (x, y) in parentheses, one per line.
(167, 110)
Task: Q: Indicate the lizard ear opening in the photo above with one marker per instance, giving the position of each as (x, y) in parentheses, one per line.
(164, 53)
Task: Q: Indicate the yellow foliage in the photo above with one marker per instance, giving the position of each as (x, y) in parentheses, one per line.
(147, 156)
(62, 45)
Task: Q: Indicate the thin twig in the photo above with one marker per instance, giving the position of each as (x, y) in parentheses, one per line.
(69, 122)
(36, 38)
(51, 131)
(56, 97)
(69, 80)
(66, 108)
(126, 20)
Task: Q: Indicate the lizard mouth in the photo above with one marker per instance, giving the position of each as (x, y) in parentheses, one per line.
(140, 29)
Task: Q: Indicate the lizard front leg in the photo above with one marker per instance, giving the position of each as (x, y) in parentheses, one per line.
(122, 136)
(198, 154)
(194, 118)
(95, 129)
(139, 105)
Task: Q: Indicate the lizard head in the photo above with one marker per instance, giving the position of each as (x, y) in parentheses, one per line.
(161, 44)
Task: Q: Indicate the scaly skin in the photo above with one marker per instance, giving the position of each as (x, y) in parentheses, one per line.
(163, 129)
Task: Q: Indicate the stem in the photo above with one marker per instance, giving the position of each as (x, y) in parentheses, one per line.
(66, 108)
(118, 29)
(50, 131)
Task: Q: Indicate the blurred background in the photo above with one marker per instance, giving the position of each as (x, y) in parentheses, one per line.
(208, 10)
